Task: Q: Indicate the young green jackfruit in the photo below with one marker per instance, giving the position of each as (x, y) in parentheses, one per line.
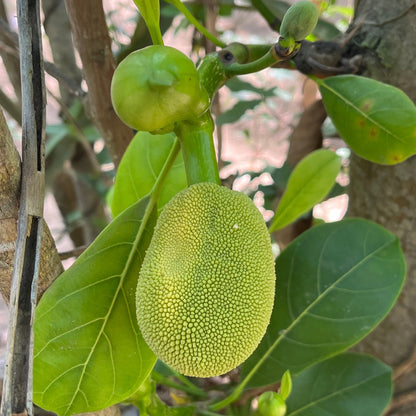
(206, 288)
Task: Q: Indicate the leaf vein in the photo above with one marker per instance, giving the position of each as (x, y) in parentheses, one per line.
(66, 333)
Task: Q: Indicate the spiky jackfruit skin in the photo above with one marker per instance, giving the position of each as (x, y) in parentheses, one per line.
(206, 288)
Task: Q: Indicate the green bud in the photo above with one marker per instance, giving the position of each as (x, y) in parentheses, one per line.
(299, 21)
(271, 403)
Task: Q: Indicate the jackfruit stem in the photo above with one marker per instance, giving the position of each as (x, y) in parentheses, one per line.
(216, 68)
(197, 143)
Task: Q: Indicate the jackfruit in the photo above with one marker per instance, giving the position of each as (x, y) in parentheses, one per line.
(206, 288)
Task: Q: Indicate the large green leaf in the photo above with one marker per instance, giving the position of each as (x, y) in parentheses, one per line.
(335, 283)
(140, 167)
(345, 385)
(377, 121)
(89, 353)
(309, 183)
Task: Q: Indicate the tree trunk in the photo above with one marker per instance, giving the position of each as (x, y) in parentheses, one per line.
(93, 42)
(385, 36)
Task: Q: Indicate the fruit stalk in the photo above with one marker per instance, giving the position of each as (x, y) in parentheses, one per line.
(196, 138)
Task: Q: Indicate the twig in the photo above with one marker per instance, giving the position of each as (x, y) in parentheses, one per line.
(401, 400)
(17, 386)
(75, 252)
(11, 107)
(82, 139)
(408, 365)
(50, 68)
(72, 86)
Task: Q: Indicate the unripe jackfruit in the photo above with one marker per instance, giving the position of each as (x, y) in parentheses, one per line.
(206, 288)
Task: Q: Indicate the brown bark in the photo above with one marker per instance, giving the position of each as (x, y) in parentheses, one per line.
(385, 36)
(94, 46)
(50, 264)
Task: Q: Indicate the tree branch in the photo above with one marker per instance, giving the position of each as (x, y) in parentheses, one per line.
(94, 46)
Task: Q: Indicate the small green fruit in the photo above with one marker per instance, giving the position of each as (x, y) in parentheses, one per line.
(299, 21)
(206, 288)
(271, 404)
(155, 87)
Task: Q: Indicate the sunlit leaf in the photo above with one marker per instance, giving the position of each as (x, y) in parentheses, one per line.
(140, 167)
(345, 385)
(311, 180)
(89, 353)
(377, 121)
(335, 283)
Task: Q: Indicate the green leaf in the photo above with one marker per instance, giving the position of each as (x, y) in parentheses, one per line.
(140, 167)
(335, 283)
(235, 113)
(56, 133)
(376, 120)
(150, 10)
(348, 384)
(89, 353)
(310, 181)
